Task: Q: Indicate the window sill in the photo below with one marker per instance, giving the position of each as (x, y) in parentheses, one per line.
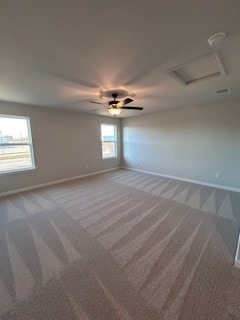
(115, 157)
(3, 173)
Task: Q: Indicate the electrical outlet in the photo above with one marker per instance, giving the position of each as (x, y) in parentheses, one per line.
(86, 166)
(218, 175)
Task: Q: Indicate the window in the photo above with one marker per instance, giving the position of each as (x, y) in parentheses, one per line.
(109, 141)
(16, 151)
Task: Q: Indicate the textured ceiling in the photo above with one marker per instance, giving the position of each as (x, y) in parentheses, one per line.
(60, 53)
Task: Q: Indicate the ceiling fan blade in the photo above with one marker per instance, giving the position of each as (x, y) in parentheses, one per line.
(132, 108)
(127, 100)
(102, 104)
(124, 102)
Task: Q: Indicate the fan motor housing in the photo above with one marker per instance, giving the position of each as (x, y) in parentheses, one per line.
(110, 103)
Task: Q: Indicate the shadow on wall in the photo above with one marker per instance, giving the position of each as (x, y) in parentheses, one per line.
(198, 143)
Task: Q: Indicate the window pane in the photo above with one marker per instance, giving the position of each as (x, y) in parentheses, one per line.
(108, 149)
(108, 133)
(13, 130)
(15, 158)
(109, 140)
(15, 144)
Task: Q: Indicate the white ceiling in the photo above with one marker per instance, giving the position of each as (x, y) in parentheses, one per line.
(60, 53)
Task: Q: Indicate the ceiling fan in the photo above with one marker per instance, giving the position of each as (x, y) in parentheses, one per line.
(115, 106)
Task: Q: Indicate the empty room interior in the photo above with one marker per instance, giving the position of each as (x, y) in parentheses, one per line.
(119, 160)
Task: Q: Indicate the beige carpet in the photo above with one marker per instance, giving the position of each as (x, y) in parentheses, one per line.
(121, 245)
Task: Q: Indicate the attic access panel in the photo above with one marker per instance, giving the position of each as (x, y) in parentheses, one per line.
(200, 69)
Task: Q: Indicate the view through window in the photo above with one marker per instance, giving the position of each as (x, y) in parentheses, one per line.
(109, 140)
(16, 151)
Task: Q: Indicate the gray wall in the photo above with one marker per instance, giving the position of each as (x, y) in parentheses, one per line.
(192, 143)
(64, 143)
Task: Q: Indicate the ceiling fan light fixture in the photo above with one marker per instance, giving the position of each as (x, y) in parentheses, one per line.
(114, 111)
(115, 107)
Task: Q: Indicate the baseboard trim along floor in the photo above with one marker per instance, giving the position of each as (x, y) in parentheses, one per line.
(37, 186)
(185, 179)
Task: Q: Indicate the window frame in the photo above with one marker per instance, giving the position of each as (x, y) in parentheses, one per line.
(30, 144)
(115, 141)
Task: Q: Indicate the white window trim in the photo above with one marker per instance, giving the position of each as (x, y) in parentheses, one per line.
(116, 142)
(30, 144)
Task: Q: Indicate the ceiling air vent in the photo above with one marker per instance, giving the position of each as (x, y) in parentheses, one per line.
(203, 68)
(223, 91)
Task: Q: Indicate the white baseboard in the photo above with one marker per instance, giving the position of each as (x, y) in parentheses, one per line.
(186, 180)
(237, 261)
(7, 193)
